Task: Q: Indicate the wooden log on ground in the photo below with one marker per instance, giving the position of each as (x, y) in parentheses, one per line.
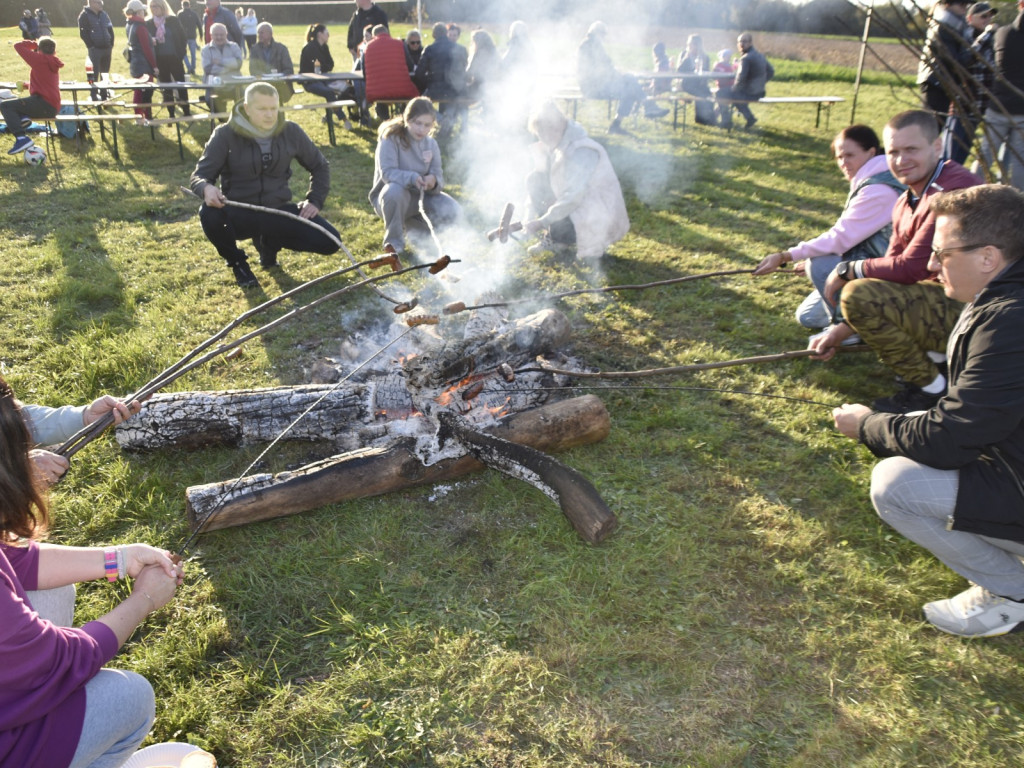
(375, 471)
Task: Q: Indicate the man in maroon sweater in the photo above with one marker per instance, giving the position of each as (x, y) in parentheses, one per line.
(893, 302)
(43, 88)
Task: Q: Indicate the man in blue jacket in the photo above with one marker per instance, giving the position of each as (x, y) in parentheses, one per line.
(953, 479)
(97, 32)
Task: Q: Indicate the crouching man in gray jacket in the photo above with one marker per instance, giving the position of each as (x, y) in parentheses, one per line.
(252, 155)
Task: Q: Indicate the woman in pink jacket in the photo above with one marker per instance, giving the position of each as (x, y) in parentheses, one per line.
(863, 228)
(58, 706)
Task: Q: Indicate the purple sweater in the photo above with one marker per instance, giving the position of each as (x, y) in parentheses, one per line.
(43, 670)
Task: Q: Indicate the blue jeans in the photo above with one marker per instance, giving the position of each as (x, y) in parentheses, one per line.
(814, 311)
(1002, 147)
(190, 56)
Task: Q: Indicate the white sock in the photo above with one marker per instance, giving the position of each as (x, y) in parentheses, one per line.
(937, 387)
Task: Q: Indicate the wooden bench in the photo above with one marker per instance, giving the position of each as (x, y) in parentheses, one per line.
(84, 120)
(682, 100)
(179, 120)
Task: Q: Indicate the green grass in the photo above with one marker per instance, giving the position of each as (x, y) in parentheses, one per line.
(749, 611)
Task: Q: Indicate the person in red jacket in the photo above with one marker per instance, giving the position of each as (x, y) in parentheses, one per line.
(386, 67)
(43, 88)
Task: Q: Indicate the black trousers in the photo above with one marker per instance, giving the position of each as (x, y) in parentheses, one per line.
(224, 227)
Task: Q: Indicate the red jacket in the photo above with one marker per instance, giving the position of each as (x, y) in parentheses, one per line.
(910, 247)
(44, 79)
(386, 70)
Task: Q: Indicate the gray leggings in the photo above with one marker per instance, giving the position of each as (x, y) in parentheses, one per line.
(917, 501)
(119, 706)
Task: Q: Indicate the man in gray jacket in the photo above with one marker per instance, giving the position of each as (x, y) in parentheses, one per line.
(753, 71)
(251, 155)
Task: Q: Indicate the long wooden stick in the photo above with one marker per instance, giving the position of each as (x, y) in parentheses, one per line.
(456, 307)
(791, 355)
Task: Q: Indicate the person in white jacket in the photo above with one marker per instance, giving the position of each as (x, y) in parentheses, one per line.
(575, 197)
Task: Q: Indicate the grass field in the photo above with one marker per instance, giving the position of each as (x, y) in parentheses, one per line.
(749, 611)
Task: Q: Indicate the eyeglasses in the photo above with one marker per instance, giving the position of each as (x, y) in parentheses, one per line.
(940, 254)
(415, 42)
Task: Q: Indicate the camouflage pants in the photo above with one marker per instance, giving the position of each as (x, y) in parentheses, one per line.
(902, 323)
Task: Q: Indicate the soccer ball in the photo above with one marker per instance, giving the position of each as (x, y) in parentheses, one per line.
(35, 156)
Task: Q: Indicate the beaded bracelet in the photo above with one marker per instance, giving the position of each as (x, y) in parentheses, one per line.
(110, 563)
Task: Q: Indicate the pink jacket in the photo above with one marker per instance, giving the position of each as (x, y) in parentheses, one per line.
(867, 213)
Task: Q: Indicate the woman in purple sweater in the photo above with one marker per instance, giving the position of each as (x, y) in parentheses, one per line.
(58, 707)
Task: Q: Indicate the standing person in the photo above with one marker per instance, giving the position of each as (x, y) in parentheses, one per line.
(43, 88)
(28, 25)
(97, 32)
(142, 56)
(694, 61)
(316, 59)
(945, 56)
(968, 110)
(441, 74)
(407, 165)
(59, 706)
(413, 47)
(222, 64)
(951, 477)
(271, 57)
(169, 43)
(893, 301)
(484, 71)
(239, 16)
(43, 27)
(367, 14)
(575, 197)
(599, 79)
(1002, 142)
(863, 228)
(216, 14)
(248, 24)
(252, 156)
(190, 25)
(753, 71)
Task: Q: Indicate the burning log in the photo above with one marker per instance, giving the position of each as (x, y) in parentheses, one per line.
(375, 471)
(577, 497)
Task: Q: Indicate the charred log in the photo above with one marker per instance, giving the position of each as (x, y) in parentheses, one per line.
(376, 471)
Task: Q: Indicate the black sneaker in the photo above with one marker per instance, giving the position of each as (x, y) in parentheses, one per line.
(268, 257)
(243, 275)
(909, 398)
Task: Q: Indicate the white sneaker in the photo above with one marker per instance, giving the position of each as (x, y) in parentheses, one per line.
(852, 341)
(975, 612)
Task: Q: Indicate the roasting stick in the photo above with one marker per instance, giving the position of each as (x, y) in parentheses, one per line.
(334, 238)
(458, 306)
(194, 359)
(430, 224)
(224, 497)
(790, 355)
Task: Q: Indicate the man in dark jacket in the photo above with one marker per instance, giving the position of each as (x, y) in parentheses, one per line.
(367, 14)
(1002, 143)
(954, 479)
(441, 74)
(97, 32)
(252, 155)
(215, 14)
(753, 71)
(946, 54)
(190, 24)
(269, 58)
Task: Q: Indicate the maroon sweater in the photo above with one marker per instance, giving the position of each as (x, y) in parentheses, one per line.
(910, 247)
